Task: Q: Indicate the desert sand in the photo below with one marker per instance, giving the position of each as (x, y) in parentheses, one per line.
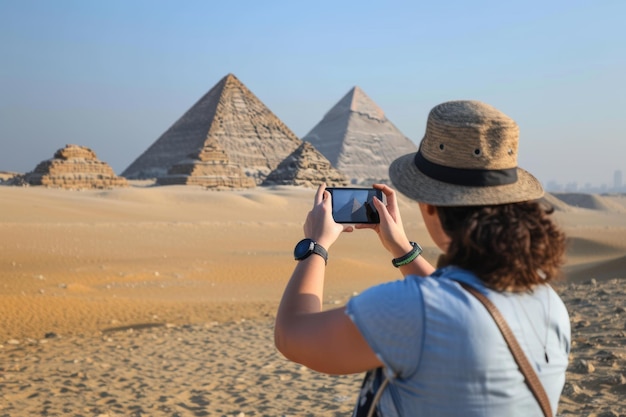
(159, 301)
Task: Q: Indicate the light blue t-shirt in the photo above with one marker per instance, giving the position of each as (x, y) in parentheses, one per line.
(446, 356)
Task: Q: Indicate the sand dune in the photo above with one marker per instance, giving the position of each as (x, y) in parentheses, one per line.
(159, 301)
(600, 270)
(587, 247)
(591, 201)
(556, 203)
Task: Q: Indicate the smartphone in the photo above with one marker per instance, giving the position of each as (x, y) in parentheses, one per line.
(355, 205)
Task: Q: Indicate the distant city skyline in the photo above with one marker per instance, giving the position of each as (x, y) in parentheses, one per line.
(616, 186)
(115, 75)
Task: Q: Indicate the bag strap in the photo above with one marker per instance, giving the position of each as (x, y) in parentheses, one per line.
(530, 376)
(379, 393)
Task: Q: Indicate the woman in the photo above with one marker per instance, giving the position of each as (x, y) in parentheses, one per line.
(432, 339)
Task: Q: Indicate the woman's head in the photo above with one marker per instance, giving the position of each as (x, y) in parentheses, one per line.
(468, 157)
(509, 246)
(481, 207)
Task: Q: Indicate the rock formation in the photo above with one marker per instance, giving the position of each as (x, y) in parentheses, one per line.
(209, 168)
(251, 136)
(359, 140)
(74, 167)
(5, 176)
(306, 166)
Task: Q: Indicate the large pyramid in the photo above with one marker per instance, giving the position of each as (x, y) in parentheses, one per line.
(73, 167)
(359, 140)
(306, 166)
(252, 137)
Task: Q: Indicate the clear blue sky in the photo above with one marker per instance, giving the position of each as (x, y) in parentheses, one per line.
(114, 75)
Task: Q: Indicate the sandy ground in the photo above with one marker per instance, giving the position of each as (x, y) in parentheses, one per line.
(160, 301)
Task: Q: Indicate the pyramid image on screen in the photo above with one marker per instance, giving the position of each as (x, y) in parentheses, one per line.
(74, 167)
(359, 140)
(306, 166)
(356, 210)
(229, 115)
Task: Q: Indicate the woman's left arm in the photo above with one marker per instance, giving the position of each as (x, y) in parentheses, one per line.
(325, 341)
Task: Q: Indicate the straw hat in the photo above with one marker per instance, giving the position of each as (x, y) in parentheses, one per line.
(468, 157)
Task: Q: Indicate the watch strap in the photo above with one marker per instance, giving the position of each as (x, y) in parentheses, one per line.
(319, 250)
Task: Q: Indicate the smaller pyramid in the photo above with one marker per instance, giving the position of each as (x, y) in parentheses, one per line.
(74, 167)
(359, 140)
(209, 168)
(307, 167)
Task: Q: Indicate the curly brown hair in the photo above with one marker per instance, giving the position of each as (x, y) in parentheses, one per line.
(510, 247)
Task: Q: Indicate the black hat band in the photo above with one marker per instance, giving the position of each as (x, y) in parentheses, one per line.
(465, 176)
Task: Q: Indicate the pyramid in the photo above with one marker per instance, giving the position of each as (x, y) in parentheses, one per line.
(359, 140)
(354, 210)
(74, 167)
(306, 166)
(252, 137)
(209, 168)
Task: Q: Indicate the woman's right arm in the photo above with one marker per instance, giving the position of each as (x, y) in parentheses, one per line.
(392, 235)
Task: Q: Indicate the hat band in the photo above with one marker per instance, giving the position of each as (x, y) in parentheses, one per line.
(465, 176)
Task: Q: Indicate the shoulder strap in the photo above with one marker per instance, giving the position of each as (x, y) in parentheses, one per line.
(530, 376)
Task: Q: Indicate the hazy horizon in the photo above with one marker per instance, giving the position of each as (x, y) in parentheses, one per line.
(115, 75)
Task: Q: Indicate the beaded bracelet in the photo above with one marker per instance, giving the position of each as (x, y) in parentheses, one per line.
(409, 257)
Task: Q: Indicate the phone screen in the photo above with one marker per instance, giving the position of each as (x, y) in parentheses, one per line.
(354, 205)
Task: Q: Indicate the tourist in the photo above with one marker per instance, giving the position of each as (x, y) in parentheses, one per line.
(428, 344)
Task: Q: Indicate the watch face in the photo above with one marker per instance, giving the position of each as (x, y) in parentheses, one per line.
(303, 248)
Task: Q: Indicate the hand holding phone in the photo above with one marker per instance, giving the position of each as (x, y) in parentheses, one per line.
(355, 205)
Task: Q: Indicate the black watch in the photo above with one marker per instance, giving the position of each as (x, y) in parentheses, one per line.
(306, 247)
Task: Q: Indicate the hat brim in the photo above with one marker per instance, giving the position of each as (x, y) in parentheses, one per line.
(411, 182)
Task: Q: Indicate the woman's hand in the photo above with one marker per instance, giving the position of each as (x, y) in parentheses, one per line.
(390, 229)
(320, 225)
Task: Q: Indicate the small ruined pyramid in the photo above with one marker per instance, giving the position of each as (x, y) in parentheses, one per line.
(306, 166)
(229, 115)
(74, 167)
(359, 140)
(209, 168)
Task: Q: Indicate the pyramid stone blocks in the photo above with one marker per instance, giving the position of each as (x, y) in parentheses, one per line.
(306, 166)
(209, 168)
(74, 167)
